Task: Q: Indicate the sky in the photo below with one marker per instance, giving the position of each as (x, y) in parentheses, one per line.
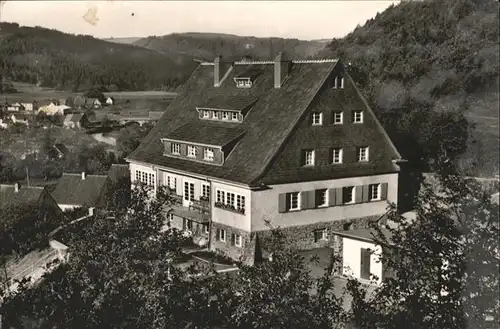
(114, 18)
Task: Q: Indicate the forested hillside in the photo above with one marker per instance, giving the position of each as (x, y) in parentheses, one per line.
(74, 62)
(207, 46)
(417, 59)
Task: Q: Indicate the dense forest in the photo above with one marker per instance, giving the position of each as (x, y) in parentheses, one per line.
(75, 62)
(207, 46)
(418, 59)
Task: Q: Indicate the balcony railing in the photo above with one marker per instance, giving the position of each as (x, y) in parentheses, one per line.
(229, 208)
(202, 205)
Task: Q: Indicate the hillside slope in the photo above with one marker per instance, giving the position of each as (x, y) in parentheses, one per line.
(432, 55)
(74, 62)
(207, 46)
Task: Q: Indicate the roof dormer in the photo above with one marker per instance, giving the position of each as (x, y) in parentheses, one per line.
(246, 78)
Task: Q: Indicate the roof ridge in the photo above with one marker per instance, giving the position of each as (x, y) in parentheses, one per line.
(86, 175)
(24, 187)
(295, 61)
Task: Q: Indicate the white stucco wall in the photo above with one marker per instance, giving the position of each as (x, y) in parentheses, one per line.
(265, 203)
(68, 207)
(144, 168)
(351, 256)
(230, 218)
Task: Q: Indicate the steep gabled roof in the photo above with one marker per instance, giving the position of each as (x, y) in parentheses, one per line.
(118, 171)
(271, 119)
(227, 102)
(71, 189)
(25, 196)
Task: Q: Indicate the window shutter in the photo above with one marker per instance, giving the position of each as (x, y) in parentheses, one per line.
(233, 239)
(358, 193)
(303, 200)
(311, 199)
(338, 196)
(331, 197)
(282, 206)
(366, 193)
(383, 192)
(218, 234)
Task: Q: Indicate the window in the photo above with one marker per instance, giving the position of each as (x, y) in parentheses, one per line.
(374, 192)
(208, 154)
(230, 197)
(205, 190)
(206, 114)
(309, 158)
(187, 224)
(338, 118)
(225, 115)
(213, 115)
(191, 151)
(337, 155)
(322, 198)
(205, 228)
(176, 148)
(293, 201)
(170, 217)
(362, 154)
(357, 116)
(317, 119)
(341, 82)
(320, 235)
(234, 116)
(145, 178)
(240, 203)
(243, 83)
(222, 235)
(348, 194)
(237, 240)
(365, 263)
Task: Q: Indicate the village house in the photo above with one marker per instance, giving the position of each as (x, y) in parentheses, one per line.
(15, 195)
(15, 107)
(28, 107)
(74, 120)
(20, 118)
(251, 145)
(61, 150)
(80, 191)
(93, 103)
(110, 101)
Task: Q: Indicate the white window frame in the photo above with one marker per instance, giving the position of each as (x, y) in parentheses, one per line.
(240, 202)
(225, 115)
(175, 148)
(205, 190)
(238, 242)
(317, 118)
(193, 149)
(377, 188)
(206, 152)
(206, 114)
(358, 116)
(206, 228)
(353, 195)
(338, 122)
(222, 237)
(290, 195)
(359, 152)
(213, 115)
(340, 154)
(334, 83)
(324, 234)
(341, 82)
(234, 116)
(308, 153)
(324, 204)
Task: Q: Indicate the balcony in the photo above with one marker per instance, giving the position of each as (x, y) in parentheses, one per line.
(229, 208)
(198, 211)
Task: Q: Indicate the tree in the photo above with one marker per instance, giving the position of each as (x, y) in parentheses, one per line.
(445, 262)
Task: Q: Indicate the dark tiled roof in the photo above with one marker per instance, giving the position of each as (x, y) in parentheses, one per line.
(267, 124)
(228, 102)
(62, 148)
(209, 133)
(251, 71)
(74, 117)
(118, 171)
(26, 195)
(73, 190)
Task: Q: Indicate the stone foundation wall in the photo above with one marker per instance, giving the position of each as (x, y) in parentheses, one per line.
(245, 253)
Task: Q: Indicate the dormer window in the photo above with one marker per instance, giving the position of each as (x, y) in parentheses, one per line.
(225, 115)
(338, 83)
(234, 116)
(243, 83)
(206, 114)
(208, 154)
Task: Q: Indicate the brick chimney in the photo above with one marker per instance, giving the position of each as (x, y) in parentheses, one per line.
(17, 186)
(84, 175)
(221, 70)
(281, 69)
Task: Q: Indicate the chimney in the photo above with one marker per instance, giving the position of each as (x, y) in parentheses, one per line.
(91, 211)
(281, 70)
(221, 70)
(83, 175)
(17, 186)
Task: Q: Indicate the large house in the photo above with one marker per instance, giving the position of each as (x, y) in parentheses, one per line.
(252, 145)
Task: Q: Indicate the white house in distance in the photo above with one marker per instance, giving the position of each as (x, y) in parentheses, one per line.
(289, 143)
(15, 107)
(28, 107)
(110, 101)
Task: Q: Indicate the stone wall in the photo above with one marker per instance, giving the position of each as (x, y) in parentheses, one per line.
(245, 253)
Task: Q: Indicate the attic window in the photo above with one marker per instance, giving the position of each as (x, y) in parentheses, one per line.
(243, 83)
(338, 82)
